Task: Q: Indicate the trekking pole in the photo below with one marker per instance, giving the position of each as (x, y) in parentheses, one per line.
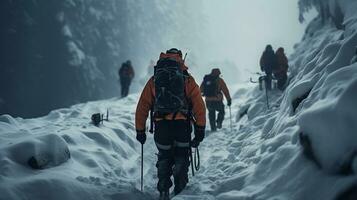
(142, 166)
(266, 90)
(230, 118)
(191, 158)
(267, 97)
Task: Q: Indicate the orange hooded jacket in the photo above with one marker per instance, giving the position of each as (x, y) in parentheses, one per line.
(282, 62)
(222, 87)
(126, 70)
(147, 99)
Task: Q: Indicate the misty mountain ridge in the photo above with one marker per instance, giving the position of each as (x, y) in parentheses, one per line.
(303, 146)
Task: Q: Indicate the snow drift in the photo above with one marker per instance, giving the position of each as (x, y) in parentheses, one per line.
(73, 158)
(303, 147)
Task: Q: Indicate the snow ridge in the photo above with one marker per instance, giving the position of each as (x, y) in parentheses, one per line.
(303, 147)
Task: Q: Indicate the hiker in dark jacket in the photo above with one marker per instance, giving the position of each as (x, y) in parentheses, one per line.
(281, 69)
(213, 88)
(267, 64)
(172, 128)
(126, 75)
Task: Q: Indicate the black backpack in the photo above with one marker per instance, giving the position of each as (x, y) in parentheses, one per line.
(169, 80)
(124, 70)
(270, 61)
(210, 86)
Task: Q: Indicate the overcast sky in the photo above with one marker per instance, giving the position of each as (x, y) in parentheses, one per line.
(240, 29)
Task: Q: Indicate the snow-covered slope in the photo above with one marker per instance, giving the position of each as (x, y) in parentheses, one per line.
(103, 160)
(303, 147)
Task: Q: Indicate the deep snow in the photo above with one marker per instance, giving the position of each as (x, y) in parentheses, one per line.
(255, 161)
(303, 147)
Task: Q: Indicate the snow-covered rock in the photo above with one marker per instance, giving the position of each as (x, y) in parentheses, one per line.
(77, 160)
(37, 152)
(271, 153)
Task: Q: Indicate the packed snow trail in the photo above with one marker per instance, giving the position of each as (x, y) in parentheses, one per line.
(105, 160)
(262, 159)
(249, 163)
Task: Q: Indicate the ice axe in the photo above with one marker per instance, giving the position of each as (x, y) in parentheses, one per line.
(184, 58)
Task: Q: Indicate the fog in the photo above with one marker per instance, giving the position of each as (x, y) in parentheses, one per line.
(233, 34)
(59, 53)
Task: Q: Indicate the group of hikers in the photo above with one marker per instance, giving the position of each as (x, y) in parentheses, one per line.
(174, 102)
(274, 64)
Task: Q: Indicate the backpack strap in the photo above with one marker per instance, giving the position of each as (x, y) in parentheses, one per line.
(186, 74)
(189, 103)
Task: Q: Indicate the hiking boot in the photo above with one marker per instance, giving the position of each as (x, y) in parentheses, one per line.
(180, 183)
(181, 172)
(219, 125)
(165, 195)
(178, 188)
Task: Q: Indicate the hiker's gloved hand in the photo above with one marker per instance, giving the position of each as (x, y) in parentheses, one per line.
(141, 136)
(199, 135)
(229, 102)
(195, 143)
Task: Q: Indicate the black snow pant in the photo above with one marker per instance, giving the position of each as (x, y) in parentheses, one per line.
(125, 84)
(212, 107)
(172, 138)
(282, 81)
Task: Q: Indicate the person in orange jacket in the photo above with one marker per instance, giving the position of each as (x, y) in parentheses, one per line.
(126, 75)
(173, 129)
(281, 69)
(212, 88)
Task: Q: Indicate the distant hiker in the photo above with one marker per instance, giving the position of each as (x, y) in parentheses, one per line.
(267, 63)
(354, 59)
(281, 69)
(126, 75)
(212, 88)
(175, 102)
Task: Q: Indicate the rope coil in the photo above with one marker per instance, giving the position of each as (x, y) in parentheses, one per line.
(195, 160)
